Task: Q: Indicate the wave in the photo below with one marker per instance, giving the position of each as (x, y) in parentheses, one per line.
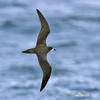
(65, 44)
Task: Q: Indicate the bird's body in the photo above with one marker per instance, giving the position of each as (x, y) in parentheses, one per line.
(42, 49)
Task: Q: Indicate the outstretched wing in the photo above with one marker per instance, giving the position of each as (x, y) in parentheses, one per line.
(44, 29)
(46, 68)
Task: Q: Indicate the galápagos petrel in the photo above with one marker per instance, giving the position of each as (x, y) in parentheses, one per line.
(42, 49)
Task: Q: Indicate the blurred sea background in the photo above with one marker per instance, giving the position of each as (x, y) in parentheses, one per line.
(75, 33)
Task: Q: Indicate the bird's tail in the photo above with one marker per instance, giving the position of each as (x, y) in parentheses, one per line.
(29, 51)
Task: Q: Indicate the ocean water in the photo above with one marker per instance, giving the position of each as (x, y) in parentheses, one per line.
(75, 33)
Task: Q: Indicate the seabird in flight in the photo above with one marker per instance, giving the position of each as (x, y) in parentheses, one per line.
(42, 49)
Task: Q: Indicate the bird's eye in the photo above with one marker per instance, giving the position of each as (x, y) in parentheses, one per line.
(54, 49)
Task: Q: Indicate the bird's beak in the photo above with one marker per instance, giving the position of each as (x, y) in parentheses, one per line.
(54, 49)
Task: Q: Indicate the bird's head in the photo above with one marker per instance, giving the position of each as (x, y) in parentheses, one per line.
(51, 49)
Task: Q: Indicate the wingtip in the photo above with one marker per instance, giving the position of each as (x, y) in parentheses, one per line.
(41, 90)
(39, 13)
(37, 10)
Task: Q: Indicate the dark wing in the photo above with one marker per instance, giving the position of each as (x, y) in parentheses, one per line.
(44, 29)
(46, 68)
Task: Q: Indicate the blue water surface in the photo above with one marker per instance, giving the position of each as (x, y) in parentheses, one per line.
(75, 33)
